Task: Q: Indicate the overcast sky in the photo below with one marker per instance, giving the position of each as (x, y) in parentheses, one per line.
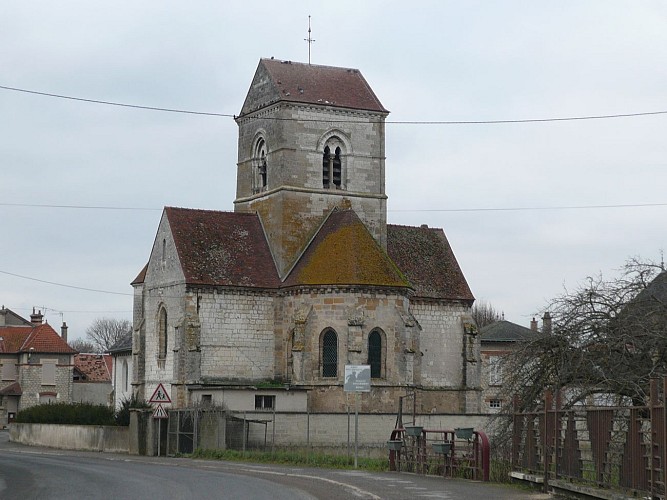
(426, 61)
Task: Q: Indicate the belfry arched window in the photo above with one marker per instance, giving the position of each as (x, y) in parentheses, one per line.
(332, 168)
(162, 334)
(260, 166)
(329, 351)
(375, 353)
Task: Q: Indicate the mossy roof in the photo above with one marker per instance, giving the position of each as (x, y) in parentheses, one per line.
(230, 249)
(425, 257)
(344, 253)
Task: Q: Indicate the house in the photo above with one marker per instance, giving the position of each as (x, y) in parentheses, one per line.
(37, 364)
(497, 340)
(121, 370)
(92, 379)
(264, 307)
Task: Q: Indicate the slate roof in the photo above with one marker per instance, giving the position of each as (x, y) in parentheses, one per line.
(222, 248)
(93, 367)
(655, 290)
(10, 318)
(344, 253)
(42, 338)
(277, 80)
(506, 331)
(426, 258)
(124, 344)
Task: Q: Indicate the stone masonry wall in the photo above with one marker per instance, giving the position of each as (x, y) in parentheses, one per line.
(30, 378)
(294, 200)
(237, 339)
(163, 287)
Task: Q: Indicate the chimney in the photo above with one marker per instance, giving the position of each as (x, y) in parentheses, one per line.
(533, 325)
(63, 331)
(36, 318)
(546, 323)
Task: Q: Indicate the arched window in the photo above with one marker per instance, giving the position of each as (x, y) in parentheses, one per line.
(329, 354)
(332, 168)
(260, 162)
(125, 376)
(336, 174)
(326, 168)
(162, 334)
(375, 353)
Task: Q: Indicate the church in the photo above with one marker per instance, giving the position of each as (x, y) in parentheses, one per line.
(263, 307)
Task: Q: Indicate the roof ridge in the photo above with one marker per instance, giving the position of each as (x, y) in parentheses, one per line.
(287, 61)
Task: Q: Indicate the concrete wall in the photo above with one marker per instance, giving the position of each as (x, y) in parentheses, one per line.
(98, 393)
(72, 437)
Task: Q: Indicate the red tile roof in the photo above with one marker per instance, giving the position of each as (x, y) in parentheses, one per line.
(12, 390)
(277, 80)
(428, 261)
(222, 248)
(41, 338)
(141, 276)
(344, 253)
(94, 367)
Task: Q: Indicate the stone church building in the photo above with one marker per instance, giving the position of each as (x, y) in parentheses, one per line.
(262, 307)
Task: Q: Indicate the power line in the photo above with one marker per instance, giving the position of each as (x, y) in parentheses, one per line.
(77, 207)
(519, 209)
(64, 285)
(473, 209)
(110, 103)
(393, 122)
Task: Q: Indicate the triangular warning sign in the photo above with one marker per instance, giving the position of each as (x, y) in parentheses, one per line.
(160, 395)
(160, 412)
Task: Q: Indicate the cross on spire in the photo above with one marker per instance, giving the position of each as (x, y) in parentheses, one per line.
(310, 40)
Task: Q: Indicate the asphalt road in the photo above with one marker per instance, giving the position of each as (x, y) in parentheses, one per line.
(40, 473)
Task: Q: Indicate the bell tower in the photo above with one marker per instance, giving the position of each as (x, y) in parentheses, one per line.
(311, 138)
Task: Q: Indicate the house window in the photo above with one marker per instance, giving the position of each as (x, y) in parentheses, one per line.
(495, 404)
(495, 370)
(329, 354)
(8, 370)
(162, 334)
(265, 402)
(49, 371)
(332, 169)
(47, 398)
(375, 353)
(206, 399)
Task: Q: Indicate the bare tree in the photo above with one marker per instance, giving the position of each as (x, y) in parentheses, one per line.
(105, 332)
(484, 314)
(83, 345)
(608, 337)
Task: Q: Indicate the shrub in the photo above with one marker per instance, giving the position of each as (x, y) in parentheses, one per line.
(123, 414)
(67, 413)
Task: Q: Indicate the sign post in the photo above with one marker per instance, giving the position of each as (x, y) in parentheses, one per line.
(160, 396)
(357, 379)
